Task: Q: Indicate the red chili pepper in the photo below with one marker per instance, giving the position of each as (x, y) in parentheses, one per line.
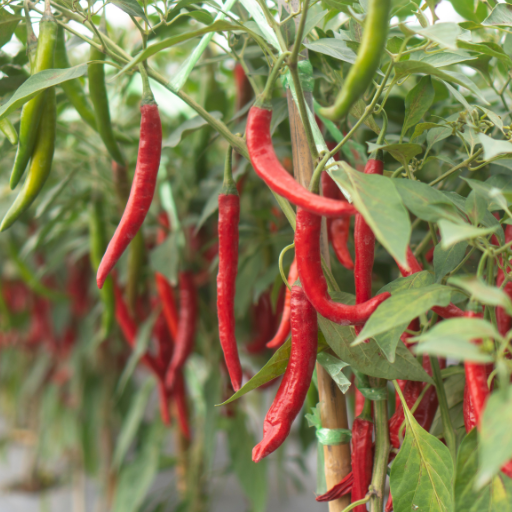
(362, 455)
(297, 378)
(358, 410)
(389, 503)
(269, 169)
(142, 191)
(166, 294)
(339, 490)
(184, 343)
(307, 252)
(244, 90)
(229, 217)
(476, 380)
(450, 311)
(284, 327)
(163, 401)
(503, 320)
(468, 411)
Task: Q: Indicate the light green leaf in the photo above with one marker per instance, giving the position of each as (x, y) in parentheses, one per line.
(446, 260)
(404, 153)
(447, 58)
(422, 127)
(130, 7)
(495, 443)
(485, 294)
(189, 126)
(334, 366)
(334, 48)
(445, 34)
(8, 24)
(452, 233)
(453, 346)
(403, 307)
(493, 147)
(487, 48)
(378, 201)
(422, 473)
(500, 16)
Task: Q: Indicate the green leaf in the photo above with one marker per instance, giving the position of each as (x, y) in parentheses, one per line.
(136, 478)
(274, 367)
(453, 346)
(493, 147)
(476, 207)
(422, 473)
(252, 477)
(189, 126)
(368, 357)
(418, 280)
(481, 291)
(500, 16)
(378, 201)
(446, 260)
(487, 48)
(422, 127)
(491, 497)
(445, 34)
(447, 58)
(418, 101)
(404, 153)
(130, 7)
(8, 24)
(495, 446)
(37, 83)
(472, 10)
(334, 48)
(452, 233)
(334, 366)
(403, 307)
(426, 202)
(164, 258)
(132, 421)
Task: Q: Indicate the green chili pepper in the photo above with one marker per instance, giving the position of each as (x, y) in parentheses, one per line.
(73, 88)
(99, 98)
(32, 110)
(362, 72)
(41, 163)
(9, 131)
(98, 244)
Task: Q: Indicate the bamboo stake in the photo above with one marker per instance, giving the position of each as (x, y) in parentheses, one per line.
(333, 410)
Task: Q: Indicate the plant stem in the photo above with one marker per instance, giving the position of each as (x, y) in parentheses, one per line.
(352, 506)
(449, 433)
(382, 447)
(457, 167)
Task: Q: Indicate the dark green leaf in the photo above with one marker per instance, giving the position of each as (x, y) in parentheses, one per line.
(8, 24)
(446, 260)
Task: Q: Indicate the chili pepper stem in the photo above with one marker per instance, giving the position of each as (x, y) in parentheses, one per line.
(266, 95)
(147, 94)
(229, 185)
(382, 447)
(281, 270)
(448, 432)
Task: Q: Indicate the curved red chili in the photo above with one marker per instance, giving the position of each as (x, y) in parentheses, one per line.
(184, 343)
(269, 169)
(341, 489)
(142, 191)
(307, 252)
(284, 327)
(297, 377)
(229, 218)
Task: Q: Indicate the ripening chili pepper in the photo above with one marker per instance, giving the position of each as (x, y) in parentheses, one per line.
(229, 217)
(341, 489)
(307, 252)
(184, 342)
(32, 111)
(476, 380)
(297, 377)
(360, 76)
(9, 131)
(98, 242)
(73, 88)
(180, 400)
(283, 330)
(269, 169)
(99, 99)
(143, 186)
(41, 163)
(362, 455)
(364, 241)
(450, 311)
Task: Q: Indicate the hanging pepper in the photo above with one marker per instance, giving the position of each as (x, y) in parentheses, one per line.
(283, 330)
(229, 217)
(9, 131)
(504, 321)
(297, 377)
(269, 169)
(143, 186)
(184, 343)
(32, 112)
(41, 163)
(362, 455)
(360, 76)
(307, 252)
(337, 491)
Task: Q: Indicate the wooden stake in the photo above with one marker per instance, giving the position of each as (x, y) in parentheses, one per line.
(333, 410)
